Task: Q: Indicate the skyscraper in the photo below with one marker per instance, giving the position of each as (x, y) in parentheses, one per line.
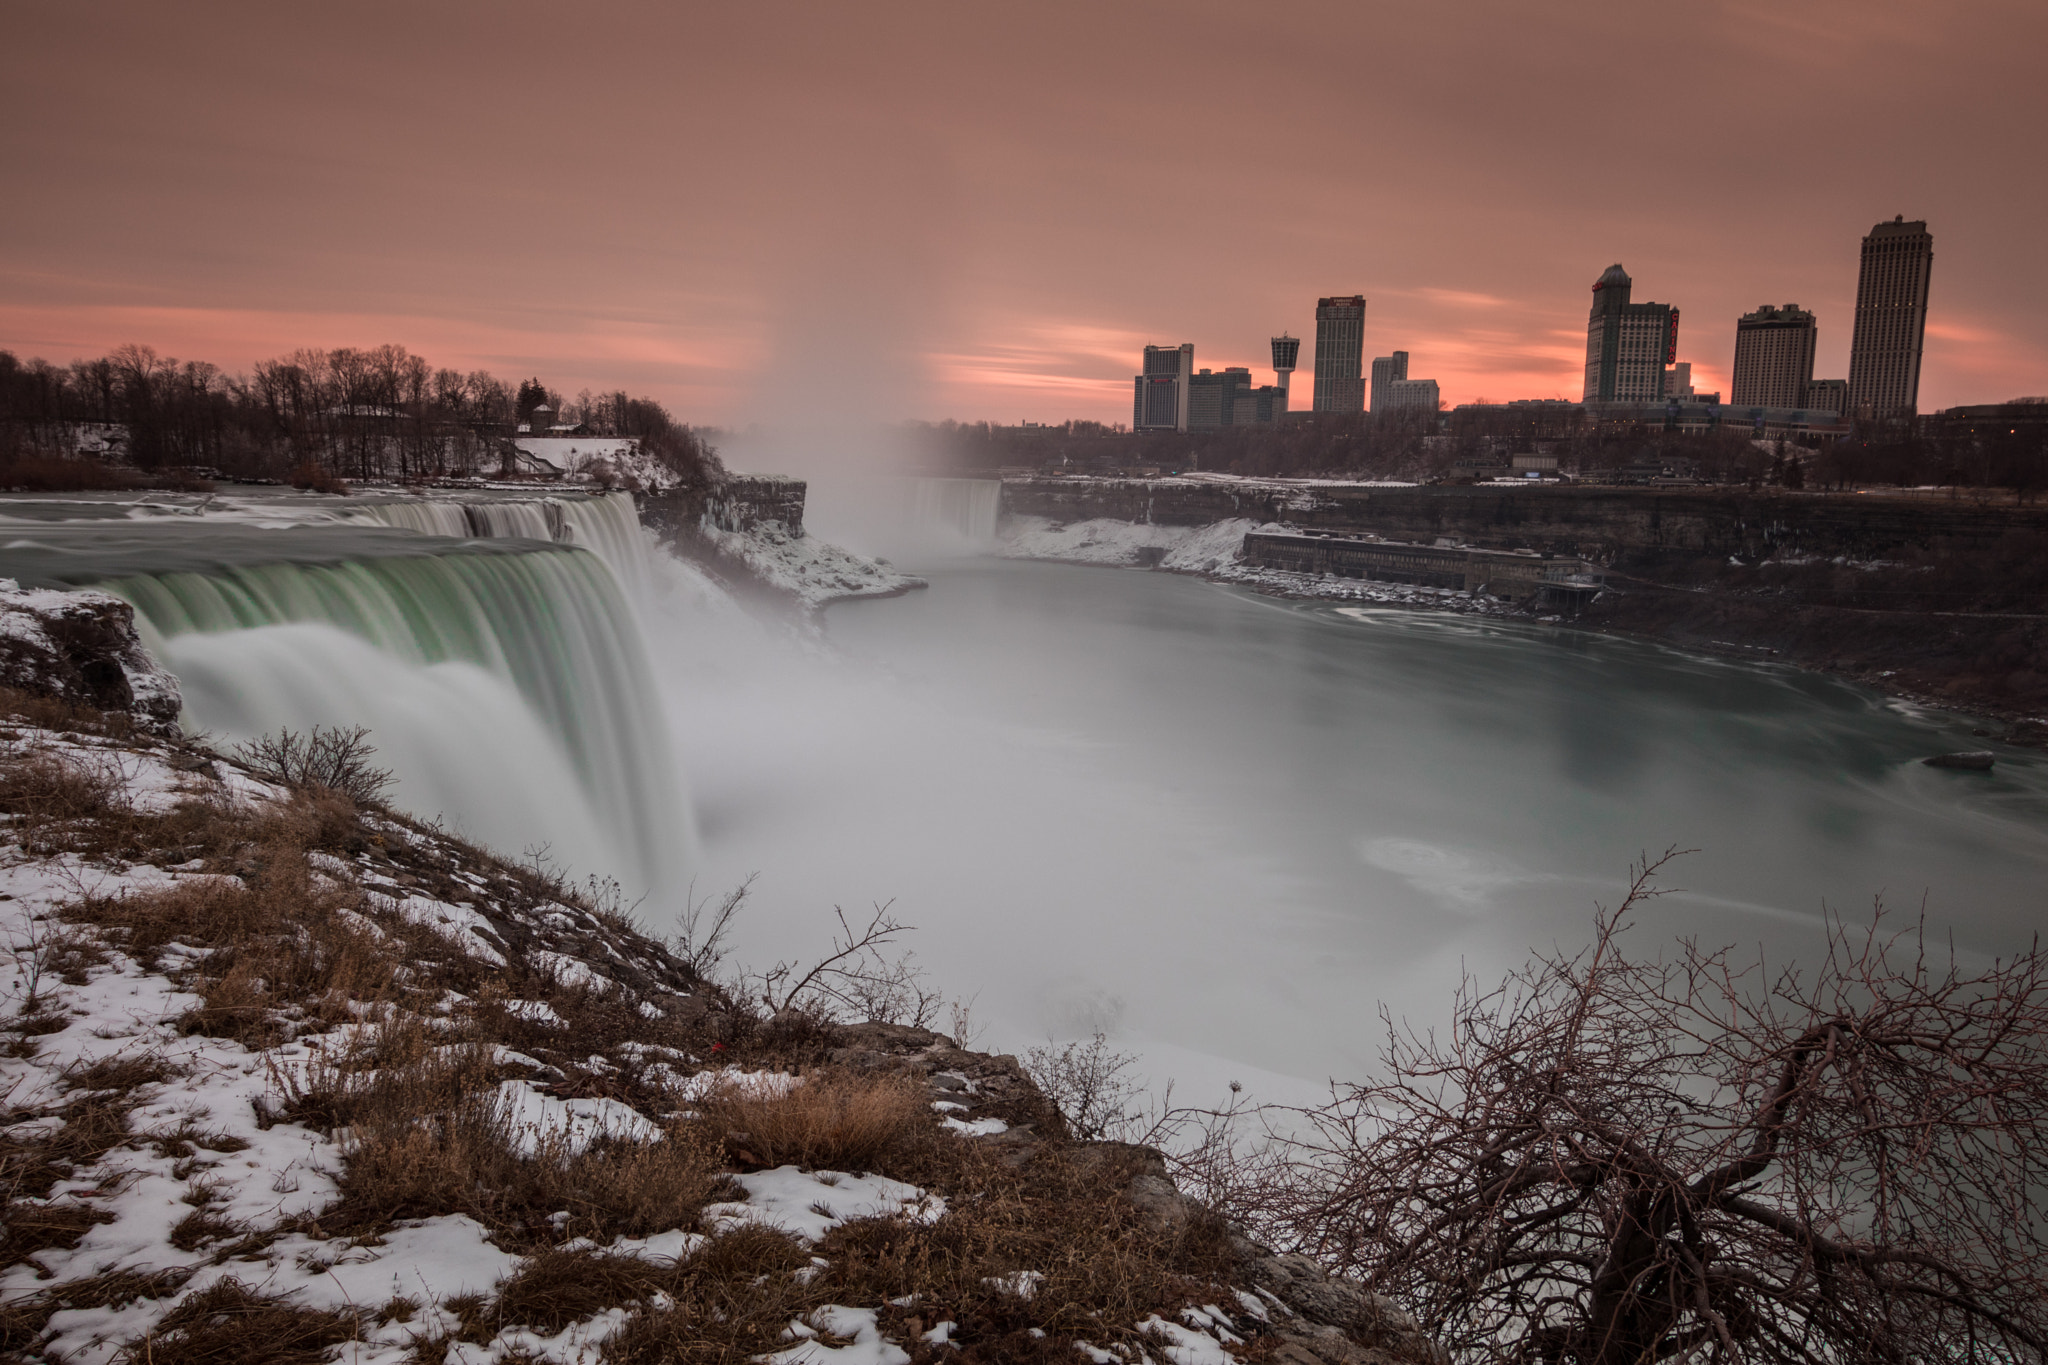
(1386, 370)
(1891, 319)
(1340, 354)
(1160, 399)
(1627, 344)
(1773, 357)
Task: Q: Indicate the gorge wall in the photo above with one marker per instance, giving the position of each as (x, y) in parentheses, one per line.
(1933, 598)
(1595, 523)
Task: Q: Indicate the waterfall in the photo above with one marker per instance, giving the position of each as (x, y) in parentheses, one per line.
(509, 690)
(429, 518)
(608, 527)
(606, 524)
(965, 507)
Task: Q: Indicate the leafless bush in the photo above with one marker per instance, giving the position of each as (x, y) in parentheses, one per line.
(702, 927)
(855, 979)
(321, 760)
(1091, 1087)
(1608, 1159)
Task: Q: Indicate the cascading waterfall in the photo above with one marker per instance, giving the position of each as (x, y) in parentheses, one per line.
(965, 507)
(606, 524)
(509, 690)
(608, 527)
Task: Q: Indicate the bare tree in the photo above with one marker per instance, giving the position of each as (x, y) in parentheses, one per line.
(1613, 1160)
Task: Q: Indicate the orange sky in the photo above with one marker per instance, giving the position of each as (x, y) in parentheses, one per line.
(786, 212)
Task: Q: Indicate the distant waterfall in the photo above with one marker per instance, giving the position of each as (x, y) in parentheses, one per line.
(509, 690)
(965, 507)
(605, 524)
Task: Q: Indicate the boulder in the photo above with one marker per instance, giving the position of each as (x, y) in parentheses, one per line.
(1978, 761)
(81, 648)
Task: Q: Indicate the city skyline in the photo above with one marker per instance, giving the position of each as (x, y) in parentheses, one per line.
(965, 235)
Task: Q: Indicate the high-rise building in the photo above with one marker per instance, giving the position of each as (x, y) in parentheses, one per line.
(1678, 380)
(1259, 407)
(1773, 357)
(1286, 350)
(1827, 395)
(1212, 398)
(1891, 319)
(1411, 395)
(1340, 354)
(1385, 370)
(1627, 344)
(1160, 400)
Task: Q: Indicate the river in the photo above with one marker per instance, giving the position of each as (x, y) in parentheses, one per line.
(1228, 829)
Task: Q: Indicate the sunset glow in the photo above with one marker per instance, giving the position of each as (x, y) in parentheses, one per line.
(781, 212)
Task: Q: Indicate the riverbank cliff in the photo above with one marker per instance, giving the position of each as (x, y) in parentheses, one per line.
(1941, 601)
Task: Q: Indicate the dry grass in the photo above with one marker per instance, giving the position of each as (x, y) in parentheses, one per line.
(838, 1120)
(1105, 1269)
(433, 1137)
(231, 1324)
(48, 793)
(33, 1228)
(23, 1320)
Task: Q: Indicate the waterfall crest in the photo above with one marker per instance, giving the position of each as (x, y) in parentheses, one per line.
(471, 633)
(606, 524)
(964, 507)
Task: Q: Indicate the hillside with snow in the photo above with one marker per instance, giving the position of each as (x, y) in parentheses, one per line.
(285, 1076)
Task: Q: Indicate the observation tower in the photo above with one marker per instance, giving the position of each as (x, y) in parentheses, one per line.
(1285, 350)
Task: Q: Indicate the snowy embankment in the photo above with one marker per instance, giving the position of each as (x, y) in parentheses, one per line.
(1211, 552)
(282, 1076)
(811, 571)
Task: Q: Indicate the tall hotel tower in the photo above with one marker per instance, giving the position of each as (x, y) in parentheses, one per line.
(1627, 344)
(1891, 319)
(1773, 357)
(1340, 354)
(1161, 394)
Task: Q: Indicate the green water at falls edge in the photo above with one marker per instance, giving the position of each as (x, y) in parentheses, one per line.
(510, 693)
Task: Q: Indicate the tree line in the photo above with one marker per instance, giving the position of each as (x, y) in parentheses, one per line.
(377, 413)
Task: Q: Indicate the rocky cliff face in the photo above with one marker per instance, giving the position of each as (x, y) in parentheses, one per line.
(748, 531)
(1592, 522)
(81, 649)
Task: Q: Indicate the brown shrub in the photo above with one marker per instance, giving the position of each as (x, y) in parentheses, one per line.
(318, 478)
(45, 472)
(834, 1119)
(230, 1324)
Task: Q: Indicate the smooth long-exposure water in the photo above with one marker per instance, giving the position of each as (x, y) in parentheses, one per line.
(1228, 827)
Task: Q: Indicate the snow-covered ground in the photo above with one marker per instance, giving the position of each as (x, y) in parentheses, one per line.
(810, 570)
(1212, 552)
